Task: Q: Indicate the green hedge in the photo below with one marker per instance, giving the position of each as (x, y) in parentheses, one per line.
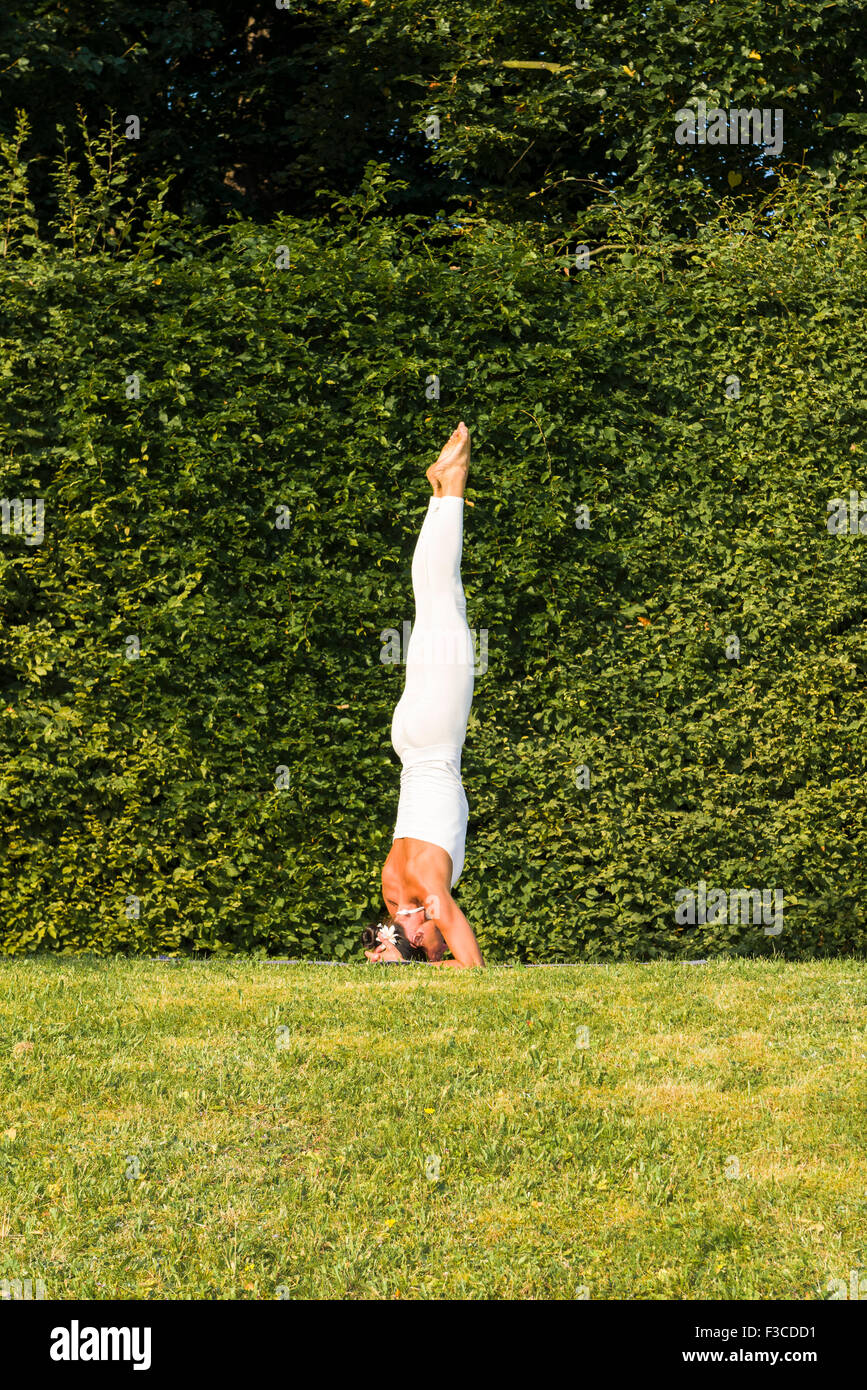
(304, 387)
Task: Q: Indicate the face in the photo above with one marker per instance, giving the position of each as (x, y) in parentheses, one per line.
(420, 932)
(424, 934)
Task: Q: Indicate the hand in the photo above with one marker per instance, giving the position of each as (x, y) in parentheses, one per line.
(385, 951)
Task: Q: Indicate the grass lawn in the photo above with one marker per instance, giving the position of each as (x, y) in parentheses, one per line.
(237, 1129)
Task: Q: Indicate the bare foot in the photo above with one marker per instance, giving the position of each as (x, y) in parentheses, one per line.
(448, 475)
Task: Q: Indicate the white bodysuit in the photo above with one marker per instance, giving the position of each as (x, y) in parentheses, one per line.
(430, 721)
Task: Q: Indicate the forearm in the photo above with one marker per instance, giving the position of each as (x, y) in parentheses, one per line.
(458, 935)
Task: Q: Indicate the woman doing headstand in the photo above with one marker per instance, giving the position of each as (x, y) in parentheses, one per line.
(428, 731)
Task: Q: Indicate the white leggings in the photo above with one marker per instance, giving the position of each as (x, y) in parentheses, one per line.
(430, 722)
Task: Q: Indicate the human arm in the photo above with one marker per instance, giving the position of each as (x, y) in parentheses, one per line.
(457, 934)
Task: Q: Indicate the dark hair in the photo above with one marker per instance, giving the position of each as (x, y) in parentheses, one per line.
(409, 952)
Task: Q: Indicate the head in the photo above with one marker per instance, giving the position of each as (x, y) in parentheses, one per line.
(422, 931)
